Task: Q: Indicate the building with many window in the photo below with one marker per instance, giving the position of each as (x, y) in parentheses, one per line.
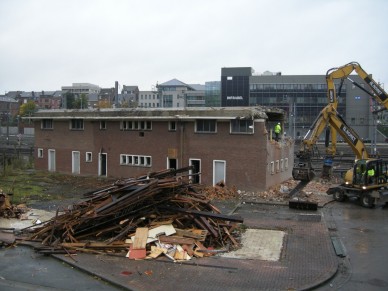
(176, 94)
(232, 145)
(81, 88)
(149, 99)
(302, 97)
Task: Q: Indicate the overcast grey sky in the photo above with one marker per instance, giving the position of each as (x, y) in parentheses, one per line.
(46, 44)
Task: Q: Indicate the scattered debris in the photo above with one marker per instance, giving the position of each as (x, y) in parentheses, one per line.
(221, 192)
(8, 210)
(146, 217)
(314, 192)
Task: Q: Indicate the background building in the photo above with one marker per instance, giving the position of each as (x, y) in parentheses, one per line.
(149, 99)
(302, 97)
(81, 88)
(213, 93)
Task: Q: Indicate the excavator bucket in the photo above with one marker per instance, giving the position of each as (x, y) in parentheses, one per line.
(303, 173)
(300, 204)
(303, 205)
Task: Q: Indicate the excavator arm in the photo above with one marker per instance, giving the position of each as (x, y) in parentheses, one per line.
(342, 73)
(327, 117)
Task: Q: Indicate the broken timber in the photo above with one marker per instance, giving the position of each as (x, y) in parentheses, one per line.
(143, 209)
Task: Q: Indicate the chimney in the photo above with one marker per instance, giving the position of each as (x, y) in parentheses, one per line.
(117, 94)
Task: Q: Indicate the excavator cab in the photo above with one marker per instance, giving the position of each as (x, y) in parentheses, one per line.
(367, 173)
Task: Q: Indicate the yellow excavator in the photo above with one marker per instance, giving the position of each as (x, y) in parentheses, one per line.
(357, 183)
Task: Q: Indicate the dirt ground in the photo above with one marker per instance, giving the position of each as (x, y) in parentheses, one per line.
(60, 191)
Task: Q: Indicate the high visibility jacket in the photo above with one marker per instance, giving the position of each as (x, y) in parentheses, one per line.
(371, 172)
(277, 128)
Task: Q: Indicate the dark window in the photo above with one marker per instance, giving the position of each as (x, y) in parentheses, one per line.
(47, 124)
(241, 126)
(172, 126)
(206, 125)
(102, 124)
(77, 124)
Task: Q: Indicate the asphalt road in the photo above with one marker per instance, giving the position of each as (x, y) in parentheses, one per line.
(22, 269)
(363, 233)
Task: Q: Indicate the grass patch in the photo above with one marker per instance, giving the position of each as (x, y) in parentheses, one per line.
(22, 185)
(31, 185)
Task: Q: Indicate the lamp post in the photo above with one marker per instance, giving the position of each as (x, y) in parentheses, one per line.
(292, 115)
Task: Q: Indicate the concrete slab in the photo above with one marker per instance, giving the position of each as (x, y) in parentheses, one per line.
(260, 244)
(30, 218)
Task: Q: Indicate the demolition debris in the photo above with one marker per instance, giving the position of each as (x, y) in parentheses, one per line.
(161, 213)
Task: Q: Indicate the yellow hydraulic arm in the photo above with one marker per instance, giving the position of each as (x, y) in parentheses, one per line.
(343, 73)
(329, 116)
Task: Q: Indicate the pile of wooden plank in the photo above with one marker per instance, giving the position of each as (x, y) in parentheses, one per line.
(158, 213)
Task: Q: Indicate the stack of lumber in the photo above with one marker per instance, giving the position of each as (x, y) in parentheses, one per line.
(142, 217)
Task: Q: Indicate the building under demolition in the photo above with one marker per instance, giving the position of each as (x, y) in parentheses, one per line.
(232, 145)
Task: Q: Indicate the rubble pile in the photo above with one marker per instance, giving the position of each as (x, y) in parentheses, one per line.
(8, 210)
(157, 214)
(221, 192)
(315, 191)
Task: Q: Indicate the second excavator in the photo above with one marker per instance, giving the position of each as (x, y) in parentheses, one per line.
(369, 189)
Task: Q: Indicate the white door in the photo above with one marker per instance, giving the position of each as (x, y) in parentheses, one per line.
(75, 162)
(51, 160)
(219, 171)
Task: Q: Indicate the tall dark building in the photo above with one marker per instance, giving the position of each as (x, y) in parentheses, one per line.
(235, 86)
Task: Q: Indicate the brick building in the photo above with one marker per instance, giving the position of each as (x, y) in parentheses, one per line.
(229, 144)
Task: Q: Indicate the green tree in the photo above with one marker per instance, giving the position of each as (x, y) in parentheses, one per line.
(81, 102)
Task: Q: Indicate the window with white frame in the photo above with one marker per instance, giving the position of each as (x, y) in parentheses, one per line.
(241, 126)
(282, 165)
(286, 163)
(172, 126)
(40, 153)
(272, 167)
(88, 157)
(205, 125)
(135, 160)
(136, 125)
(277, 166)
(102, 124)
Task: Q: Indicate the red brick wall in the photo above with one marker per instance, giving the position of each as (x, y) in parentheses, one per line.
(247, 156)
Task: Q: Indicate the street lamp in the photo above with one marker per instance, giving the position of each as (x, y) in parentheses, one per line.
(292, 115)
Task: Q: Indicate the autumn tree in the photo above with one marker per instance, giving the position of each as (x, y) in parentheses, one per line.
(27, 109)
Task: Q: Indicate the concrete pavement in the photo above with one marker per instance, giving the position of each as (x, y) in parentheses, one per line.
(307, 259)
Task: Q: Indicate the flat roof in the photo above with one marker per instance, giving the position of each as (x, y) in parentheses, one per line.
(191, 113)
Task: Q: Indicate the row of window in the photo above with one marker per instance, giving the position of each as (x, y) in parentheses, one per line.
(146, 161)
(201, 125)
(125, 159)
(136, 125)
(150, 96)
(283, 86)
(278, 166)
(135, 160)
(148, 104)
